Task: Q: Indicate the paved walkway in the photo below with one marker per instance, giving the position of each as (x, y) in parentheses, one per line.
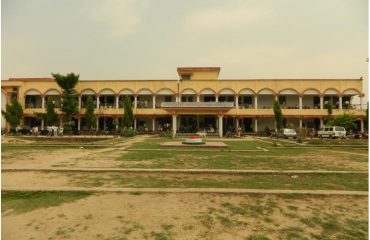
(165, 170)
(192, 190)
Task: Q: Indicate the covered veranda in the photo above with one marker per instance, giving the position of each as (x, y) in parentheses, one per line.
(197, 116)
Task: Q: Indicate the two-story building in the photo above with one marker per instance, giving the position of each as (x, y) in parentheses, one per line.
(197, 101)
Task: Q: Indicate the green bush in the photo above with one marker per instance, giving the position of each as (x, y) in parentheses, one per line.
(299, 140)
(168, 134)
(127, 132)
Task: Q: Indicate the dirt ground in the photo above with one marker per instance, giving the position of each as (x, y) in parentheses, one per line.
(189, 216)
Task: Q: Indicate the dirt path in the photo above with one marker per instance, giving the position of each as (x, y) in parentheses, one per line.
(164, 170)
(190, 190)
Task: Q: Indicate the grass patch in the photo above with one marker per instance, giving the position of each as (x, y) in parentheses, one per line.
(21, 202)
(275, 158)
(321, 181)
(257, 237)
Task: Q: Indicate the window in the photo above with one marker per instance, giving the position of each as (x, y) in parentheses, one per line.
(282, 100)
(187, 99)
(167, 98)
(209, 99)
(185, 77)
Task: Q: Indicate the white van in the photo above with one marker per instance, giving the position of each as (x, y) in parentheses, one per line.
(332, 132)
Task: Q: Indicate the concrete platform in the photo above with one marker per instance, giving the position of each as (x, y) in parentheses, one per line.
(207, 144)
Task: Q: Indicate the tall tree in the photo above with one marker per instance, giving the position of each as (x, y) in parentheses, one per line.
(50, 117)
(90, 118)
(329, 107)
(13, 113)
(128, 115)
(278, 115)
(69, 98)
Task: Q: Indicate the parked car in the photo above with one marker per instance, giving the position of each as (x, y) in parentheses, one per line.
(332, 132)
(286, 133)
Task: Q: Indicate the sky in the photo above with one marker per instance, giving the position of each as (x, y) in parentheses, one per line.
(149, 39)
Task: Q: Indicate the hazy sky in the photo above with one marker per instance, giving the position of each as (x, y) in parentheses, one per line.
(148, 39)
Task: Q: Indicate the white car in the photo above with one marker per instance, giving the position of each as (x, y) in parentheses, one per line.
(332, 132)
(286, 133)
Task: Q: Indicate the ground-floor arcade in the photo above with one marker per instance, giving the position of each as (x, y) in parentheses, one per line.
(192, 123)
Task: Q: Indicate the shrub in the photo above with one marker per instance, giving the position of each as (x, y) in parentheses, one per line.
(127, 132)
(299, 140)
(68, 127)
(168, 134)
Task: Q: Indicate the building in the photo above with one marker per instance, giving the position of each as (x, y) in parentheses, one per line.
(197, 100)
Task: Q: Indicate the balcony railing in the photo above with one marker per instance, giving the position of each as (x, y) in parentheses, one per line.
(32, 105)
(197, 105)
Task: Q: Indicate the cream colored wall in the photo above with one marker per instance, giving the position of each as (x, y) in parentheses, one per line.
(204, 76)
(154, 86)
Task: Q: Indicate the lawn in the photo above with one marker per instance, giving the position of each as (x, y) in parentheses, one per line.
(357, 182)
(136, 215)
(21, 202)
(197, 216)
(149, 154)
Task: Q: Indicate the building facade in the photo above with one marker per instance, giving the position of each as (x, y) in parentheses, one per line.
(197, 101)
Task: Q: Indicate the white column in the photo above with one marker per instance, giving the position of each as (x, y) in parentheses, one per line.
(362, 125)
(237, 123)
(117, 102)
(276, 98)
(97, 102)
(255, 125)
(174, 125)
(321, 102)
(220, 125)
(153, 101)
(300, 102)
(255, 102)
(361, 102)
(42, 124)
(216, 97)
(79, 102)
(97, 123)
(300, 123)
(321, 123)
(79, 124)
(153, 124)
(117, 121)
(198, 98)
(340, 102)
(42, 102)
(237, 101)
(60, 122)
(135, 123)
(177, 99)
(135, 102)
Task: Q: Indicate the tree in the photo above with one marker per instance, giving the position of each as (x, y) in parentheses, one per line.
(346, 120)
(90, 118)
(69, 98)
(278, 115)
(50, 117)
(13, 113)
(329, 107)
(128, 116)
(366, 122)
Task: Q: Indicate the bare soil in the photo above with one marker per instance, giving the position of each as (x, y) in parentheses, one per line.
(190, 216)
